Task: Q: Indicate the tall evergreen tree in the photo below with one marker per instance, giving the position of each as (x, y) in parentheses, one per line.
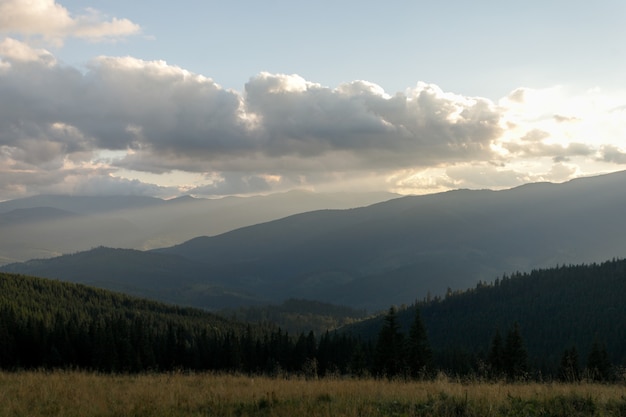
(496, 355)
(515, 355)
(300, 353)
(389, 355)
(418, 351)
(358, 361)
(569, 370)
(598, 363)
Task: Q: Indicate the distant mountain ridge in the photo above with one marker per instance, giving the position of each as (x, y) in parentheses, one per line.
(33, 227)
(34, 214)
(395, 251)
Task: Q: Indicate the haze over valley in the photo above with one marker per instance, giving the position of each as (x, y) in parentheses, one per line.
(52, 225)
(370, 257)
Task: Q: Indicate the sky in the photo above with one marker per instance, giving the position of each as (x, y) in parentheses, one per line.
(215, 98)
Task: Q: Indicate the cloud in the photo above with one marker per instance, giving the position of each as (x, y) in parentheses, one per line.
(281, 131)
(480, 175)
(36, 102)
(53, 22)
(421, 127)
(518, 95)
(163, 111)
(15, 50)
(111, 185)
(560, 172)
(228, 183)
(535, 144)
(565, 119)
(161, 108)
(72, 179)
(613, 154)
(485, 176)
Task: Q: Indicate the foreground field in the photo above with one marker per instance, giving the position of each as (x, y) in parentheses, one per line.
(83, 394)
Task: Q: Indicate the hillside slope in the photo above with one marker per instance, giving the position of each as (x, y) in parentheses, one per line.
(46, 323)
(398, 250)
(395, 251)
(556, 309)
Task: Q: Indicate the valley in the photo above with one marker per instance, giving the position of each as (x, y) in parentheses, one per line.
(370, 257)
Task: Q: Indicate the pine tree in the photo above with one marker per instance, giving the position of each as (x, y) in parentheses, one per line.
(419, 353)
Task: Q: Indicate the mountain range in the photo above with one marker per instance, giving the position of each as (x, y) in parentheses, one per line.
(46, 226)
(370, 257)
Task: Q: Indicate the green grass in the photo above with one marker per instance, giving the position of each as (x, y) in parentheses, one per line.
(83, 394)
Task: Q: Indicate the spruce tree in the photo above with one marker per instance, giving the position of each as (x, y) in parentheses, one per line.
(389, 355)
(496, 355)
(358, 361)
(568, 368)
(419, 353)
(598, 363)
(515, 355)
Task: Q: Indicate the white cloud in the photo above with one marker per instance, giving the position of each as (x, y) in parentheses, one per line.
(282, 131)
(15, 50)
(422, 127)
(53, 22)
(112, 185)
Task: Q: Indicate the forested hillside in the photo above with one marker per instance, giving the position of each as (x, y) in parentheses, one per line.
(299, 315)
(549, 323)
(556, 309)
(171, 279)
(50, 324)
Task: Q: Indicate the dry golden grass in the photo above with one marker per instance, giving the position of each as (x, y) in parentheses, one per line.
(83, 394)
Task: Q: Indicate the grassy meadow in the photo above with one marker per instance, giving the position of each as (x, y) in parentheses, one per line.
(83, 394)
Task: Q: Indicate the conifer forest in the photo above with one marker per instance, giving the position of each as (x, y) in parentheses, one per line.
(46, 324)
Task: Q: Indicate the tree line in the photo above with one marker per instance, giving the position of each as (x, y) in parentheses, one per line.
(557, 310)
(46, 324)
(397, 354)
